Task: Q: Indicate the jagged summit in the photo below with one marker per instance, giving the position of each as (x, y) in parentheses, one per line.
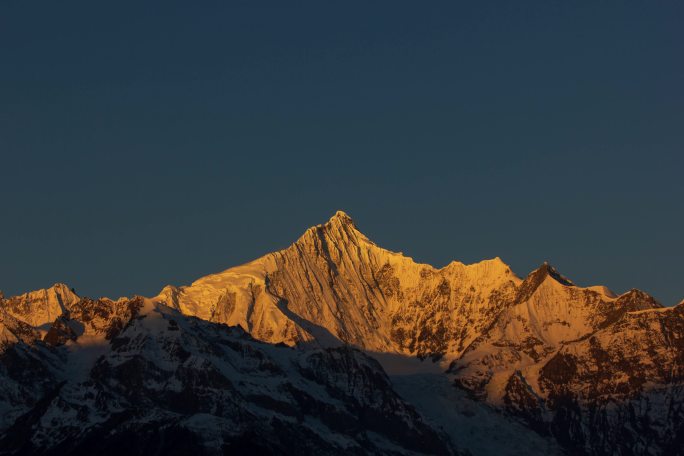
(339, 220)
(552, 272)
(636, 299)
(339, 230)
(495, 263)
(342, 216)
(41, 307)
(537, 277)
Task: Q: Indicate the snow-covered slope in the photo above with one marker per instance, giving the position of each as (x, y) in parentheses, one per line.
(477, 427)
(547, 313)
(156, 381)
(599, 372)
(334, 285)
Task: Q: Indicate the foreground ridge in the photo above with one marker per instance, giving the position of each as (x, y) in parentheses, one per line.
(138, 376)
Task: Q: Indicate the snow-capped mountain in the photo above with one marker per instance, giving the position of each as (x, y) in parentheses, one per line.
(334, 285)
(554, 366)
(136, 376)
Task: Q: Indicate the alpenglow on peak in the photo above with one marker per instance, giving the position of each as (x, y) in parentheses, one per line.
(342, 217)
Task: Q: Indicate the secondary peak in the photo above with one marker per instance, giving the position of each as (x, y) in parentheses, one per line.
(547, 270)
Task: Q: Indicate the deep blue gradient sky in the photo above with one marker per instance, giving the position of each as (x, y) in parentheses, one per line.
(146, 143)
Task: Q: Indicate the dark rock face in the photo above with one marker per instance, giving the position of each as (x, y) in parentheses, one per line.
(619, 391)
(61, 331)
(26, 375)
(165, 383)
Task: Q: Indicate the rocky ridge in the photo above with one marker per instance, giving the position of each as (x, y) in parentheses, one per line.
(136, 376)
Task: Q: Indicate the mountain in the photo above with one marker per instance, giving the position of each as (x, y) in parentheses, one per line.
(334, 285)
(478, 359)
(136, 376)
(500, 336)
(600, 373)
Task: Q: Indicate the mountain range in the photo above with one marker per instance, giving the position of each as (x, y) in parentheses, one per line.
(335, 345)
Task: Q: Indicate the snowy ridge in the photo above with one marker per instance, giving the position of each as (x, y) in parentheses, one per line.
(165, 382)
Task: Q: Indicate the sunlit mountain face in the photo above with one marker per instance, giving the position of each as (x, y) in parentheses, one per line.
(335, 345)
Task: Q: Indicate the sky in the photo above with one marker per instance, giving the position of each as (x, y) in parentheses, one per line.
(148, 143)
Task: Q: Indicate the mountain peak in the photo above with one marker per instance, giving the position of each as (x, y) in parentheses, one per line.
(340, 228)
(42, 306)
(535, 278)
(341, 217)
(340, 224)
(61, 290)
(549, 271)
(636, 299)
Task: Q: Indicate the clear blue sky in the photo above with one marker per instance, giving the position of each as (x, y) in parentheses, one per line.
(146, 143)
